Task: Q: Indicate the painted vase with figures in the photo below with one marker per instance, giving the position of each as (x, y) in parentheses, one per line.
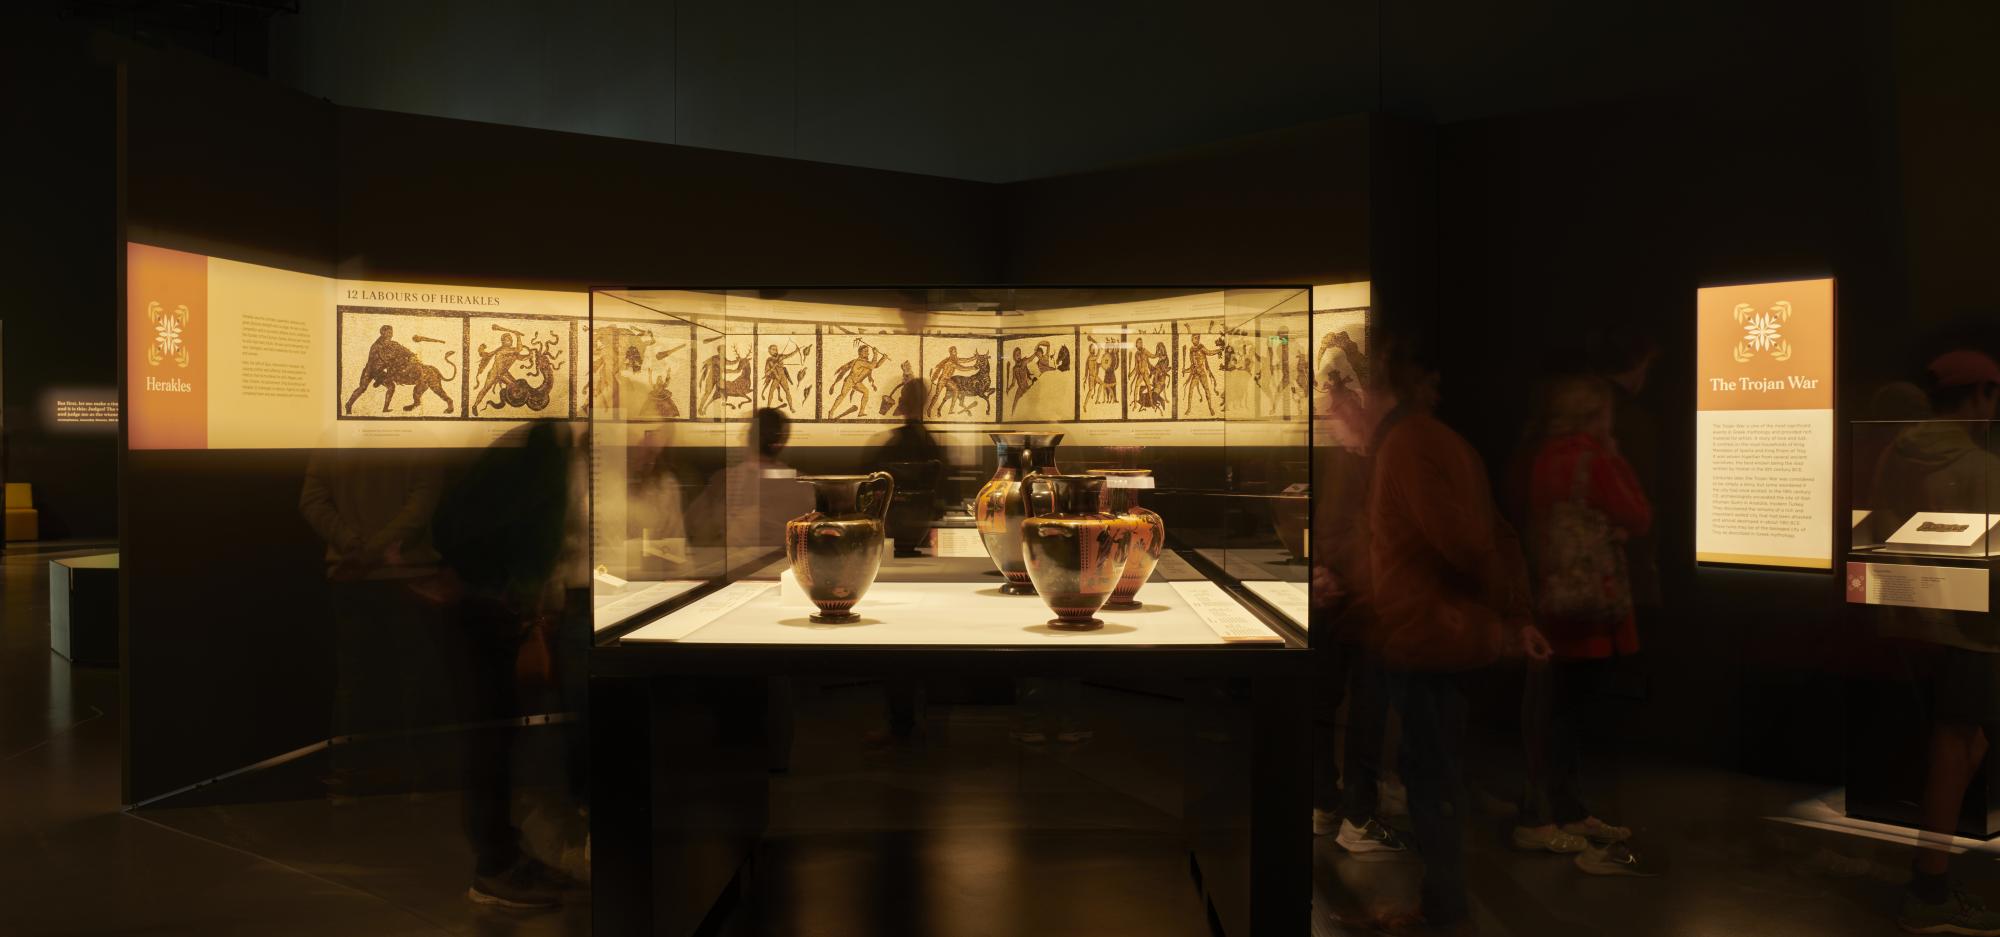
(1074, 550)
(836, 548)
(998, 510)
(1149, 532)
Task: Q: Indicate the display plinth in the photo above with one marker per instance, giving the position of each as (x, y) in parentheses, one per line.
(83, 608)
(939, 614)
(707, 406)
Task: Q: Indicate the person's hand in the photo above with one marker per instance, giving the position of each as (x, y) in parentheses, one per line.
(1535, 645)
(355, 564)
(1326, 588)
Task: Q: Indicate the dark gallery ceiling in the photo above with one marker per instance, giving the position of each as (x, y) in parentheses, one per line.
(996, 90)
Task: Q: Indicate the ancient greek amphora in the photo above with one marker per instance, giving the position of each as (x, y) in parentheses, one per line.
(1074, 550)
(1149, 532)
(998, 508)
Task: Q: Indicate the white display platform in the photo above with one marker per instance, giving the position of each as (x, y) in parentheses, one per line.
(938, 613)
(642, 596)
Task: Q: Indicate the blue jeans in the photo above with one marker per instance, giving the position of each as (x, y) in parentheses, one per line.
(1433, 762)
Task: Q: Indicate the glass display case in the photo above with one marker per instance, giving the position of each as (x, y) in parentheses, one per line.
(964, 467)
(1923, 518)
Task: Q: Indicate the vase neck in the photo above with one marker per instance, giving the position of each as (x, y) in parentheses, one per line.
(1040, 459)
(837, 495)
(1076, 494)
(1007, 459)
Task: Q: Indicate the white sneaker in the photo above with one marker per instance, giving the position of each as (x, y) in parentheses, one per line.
(1598, 831)
(1619, 859)
(1369, 837)
(1548, 839)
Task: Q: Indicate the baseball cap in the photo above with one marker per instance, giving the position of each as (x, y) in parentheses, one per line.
(1964, 368)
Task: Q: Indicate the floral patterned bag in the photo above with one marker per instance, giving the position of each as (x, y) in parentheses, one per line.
(1580, 560)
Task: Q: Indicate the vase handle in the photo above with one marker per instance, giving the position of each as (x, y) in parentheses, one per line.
(1028, 494)
(887, 482)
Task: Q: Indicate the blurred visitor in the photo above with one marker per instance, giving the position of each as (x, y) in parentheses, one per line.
(912, 457)
(1623, 356)
(372, 508)
(502, 529)
(1943, 465)
(745, 505)
(1450, 594)
(1346, 781)
(655, 509)
(1584, 505)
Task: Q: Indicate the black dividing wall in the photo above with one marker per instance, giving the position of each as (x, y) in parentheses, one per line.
(227, 650)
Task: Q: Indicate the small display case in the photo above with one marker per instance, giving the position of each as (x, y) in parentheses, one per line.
(1924, 517)
(957, 467)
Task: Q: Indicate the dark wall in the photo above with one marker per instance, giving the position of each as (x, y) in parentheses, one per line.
(1947, 143)
(59, 251)
(422, 198)
(967, 90)
(1291, 206)
(1559, 225)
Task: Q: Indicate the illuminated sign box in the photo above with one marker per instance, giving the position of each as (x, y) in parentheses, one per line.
(1764, 366)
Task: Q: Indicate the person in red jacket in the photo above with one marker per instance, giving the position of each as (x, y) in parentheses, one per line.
(1450, 595)
(1583, 503)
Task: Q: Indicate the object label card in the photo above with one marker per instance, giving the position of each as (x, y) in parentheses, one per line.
(1224, 615)
(1288, 598)
(959, 541)
(1947, 588)
(1764, 425)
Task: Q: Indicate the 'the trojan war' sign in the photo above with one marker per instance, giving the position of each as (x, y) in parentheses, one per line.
(1764, 424)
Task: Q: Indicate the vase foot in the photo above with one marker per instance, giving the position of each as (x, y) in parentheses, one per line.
(834, 618)
(1017, 588)
(1067, 624)
(1125, 606)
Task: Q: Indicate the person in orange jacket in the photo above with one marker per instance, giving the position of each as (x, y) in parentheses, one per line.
(1450, 593)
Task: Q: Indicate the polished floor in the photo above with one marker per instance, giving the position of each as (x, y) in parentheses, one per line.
(965, 832)
(74, 863)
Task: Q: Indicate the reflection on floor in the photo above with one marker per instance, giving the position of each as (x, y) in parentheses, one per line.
(1732, 869)
(75, 864)
(966, 832)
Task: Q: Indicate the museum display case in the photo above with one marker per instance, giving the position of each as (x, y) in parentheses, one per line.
(1919, 569)
(858, 467)
(1925, 502)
